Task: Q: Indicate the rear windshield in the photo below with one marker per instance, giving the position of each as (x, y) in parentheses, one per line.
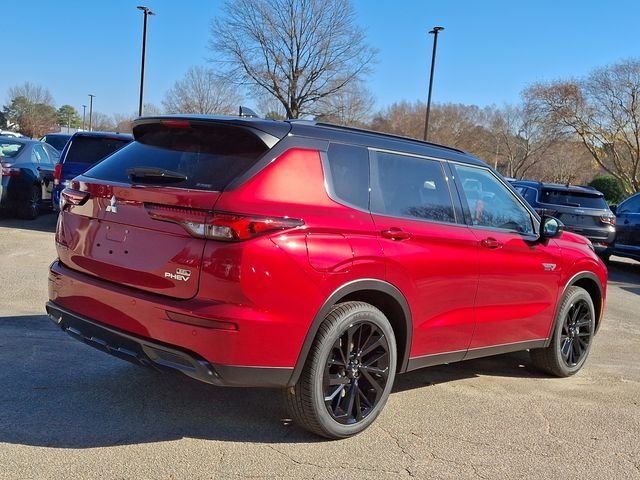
(208, 156)
(57, 141)
(573, 199)
(9, 149)
(90, 150)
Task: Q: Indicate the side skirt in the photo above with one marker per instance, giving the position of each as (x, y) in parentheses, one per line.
(459, 355)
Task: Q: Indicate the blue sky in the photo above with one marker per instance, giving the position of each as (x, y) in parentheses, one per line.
(489, 51)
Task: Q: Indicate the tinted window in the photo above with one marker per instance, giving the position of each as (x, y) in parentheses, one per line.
(54, 155)
(490, 203)
(572, 199)
(411, 187)
(56, 141)
(9, 149)
(90, 150)
(209, 156)
(38, 155)
(632, 205)
(349, 171)
(530, 195)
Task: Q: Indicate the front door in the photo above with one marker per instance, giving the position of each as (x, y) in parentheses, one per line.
(430, 254)
(519, 276)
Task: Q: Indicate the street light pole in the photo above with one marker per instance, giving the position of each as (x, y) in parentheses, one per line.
(91, 111)
(84, 111)
(146, 12)
(435, 32)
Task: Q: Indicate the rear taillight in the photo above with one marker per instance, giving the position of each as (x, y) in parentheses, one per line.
(608, 219)
(57, 174)
(69, 196)
(230, 227)
(9, 170)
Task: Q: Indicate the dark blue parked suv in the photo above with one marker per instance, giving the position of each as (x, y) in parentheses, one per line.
(81, 152)
(628, 228)
(583, 210)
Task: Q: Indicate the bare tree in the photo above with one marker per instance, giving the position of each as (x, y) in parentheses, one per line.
(351, 105)
(565, 161)
(202, 91)
(522, 137)
(299, 51)
(34, 93)
(603, 112)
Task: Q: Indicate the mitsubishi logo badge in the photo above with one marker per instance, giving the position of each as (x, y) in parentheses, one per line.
(112, 206)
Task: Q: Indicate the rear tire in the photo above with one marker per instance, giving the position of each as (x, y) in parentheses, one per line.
(348, 374)
(573, 332)
(30, 209)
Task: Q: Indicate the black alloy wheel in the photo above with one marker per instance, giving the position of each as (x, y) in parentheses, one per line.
(348, 373)
(572, 335)
(577, 332)
(356, 373)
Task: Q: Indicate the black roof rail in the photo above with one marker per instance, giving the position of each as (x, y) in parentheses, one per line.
(373, 132)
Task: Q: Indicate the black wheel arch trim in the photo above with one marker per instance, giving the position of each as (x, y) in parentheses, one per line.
(572, 281)
(347, 289)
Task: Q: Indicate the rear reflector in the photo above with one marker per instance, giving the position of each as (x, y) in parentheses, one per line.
(201, 322)
(230, 227)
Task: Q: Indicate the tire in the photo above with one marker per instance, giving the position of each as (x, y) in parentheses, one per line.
(572, 337)
(345, 384)
(605, 257)
(30, 209)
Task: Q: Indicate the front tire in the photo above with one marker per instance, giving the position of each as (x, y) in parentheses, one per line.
(348, 374)
(573, 333)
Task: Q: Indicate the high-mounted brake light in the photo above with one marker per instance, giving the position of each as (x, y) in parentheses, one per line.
(69, 196)
(231, 227)
(175, 123)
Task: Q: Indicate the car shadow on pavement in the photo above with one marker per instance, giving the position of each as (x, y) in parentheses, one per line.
(626, 273)
(46, 222)
(60, 393)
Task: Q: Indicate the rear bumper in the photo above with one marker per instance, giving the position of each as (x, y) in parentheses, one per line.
(160, 356)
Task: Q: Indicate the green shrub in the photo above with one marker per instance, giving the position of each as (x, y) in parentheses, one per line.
(610, 186)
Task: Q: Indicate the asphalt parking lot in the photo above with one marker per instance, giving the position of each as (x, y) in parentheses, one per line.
(68, 411)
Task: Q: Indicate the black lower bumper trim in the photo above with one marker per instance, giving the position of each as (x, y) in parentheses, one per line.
(149, 353)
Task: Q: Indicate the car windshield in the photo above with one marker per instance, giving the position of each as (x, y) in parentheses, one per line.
(573, 199)
(9, 149)
(90, 150)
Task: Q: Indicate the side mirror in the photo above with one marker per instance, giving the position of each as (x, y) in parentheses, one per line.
(613, 208)
(550, 227)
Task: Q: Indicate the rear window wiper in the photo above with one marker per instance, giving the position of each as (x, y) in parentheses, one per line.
(151, 174)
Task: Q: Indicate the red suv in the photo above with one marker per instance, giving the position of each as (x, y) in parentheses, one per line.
(317, 258)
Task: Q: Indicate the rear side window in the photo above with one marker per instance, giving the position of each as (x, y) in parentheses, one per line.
(349, 173)
(208, 156)
(573, 199)
(90, 150)
(632, 205)
(411, 187)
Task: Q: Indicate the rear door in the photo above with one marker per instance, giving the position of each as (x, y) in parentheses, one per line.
(518, 276)
(139, 227)
(44, 169)
(429, 255)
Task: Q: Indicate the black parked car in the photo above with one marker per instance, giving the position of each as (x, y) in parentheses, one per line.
(628, 228)
(583, 210)
(56, 140)
(26, 177)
